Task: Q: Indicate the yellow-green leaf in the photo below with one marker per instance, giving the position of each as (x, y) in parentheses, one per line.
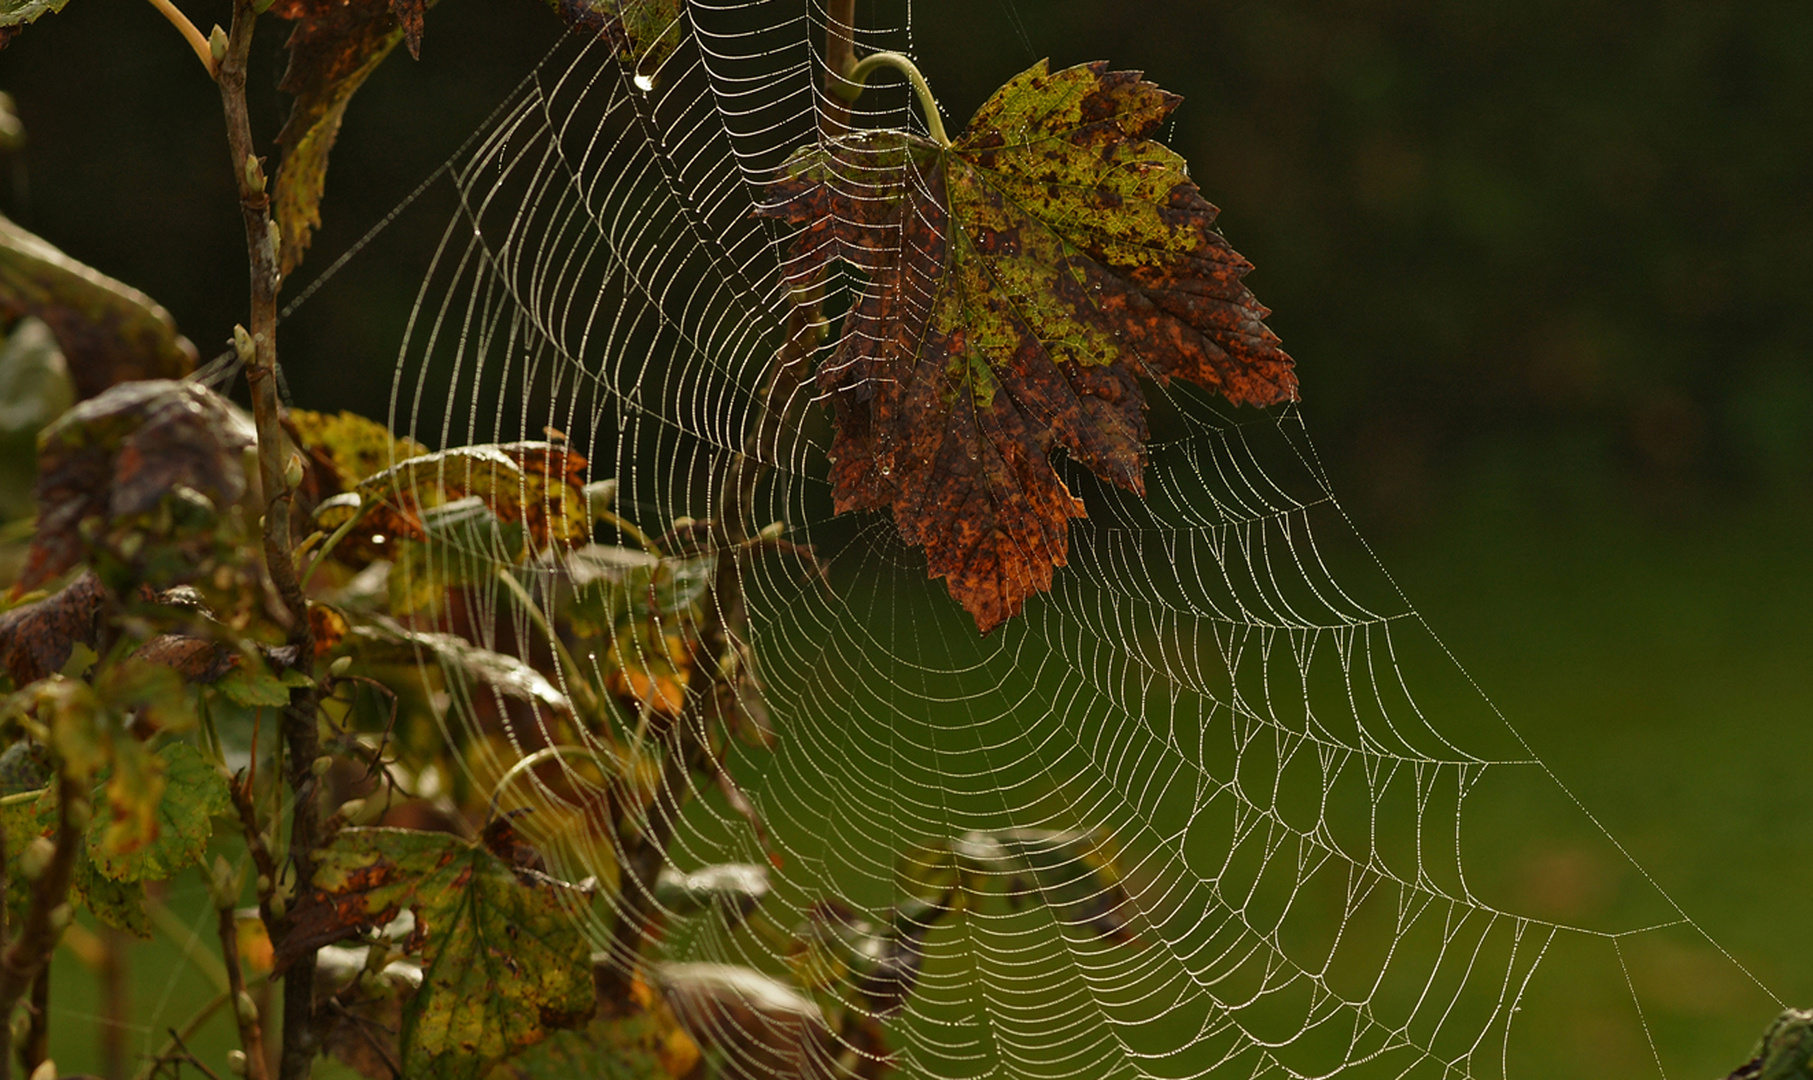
(161, 811)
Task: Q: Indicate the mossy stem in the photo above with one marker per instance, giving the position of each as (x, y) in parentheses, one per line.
(928, 104)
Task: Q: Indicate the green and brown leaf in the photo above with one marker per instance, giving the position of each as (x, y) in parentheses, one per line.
(161, 814)
(504, 961)
(135, 481)
(1023, 280)
(335, 47)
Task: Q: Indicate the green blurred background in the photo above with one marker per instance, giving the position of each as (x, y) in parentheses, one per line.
(1546, 268)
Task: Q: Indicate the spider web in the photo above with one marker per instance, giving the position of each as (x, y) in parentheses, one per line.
(1226, 804)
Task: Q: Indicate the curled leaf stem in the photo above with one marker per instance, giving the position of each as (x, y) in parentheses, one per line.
(868, 65)
(327, 547)
(189, 32)
(547, 753)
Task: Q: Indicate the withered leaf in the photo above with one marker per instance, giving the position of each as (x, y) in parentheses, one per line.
(504, 959)
(35, 638)
(109, 332)
(1024, 279)
(138, 447)
(334, 48)
(119, 904)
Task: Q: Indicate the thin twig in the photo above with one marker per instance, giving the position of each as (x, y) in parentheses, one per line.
(189, 1028)
(38, 933)
(189, 32)
(301, 738)
(37, 1031)
(251, 1032)
(181, 1053)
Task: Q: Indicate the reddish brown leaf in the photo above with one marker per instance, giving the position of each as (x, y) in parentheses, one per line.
(36, 638)
(195, 659)
(105, 465)
(1024, 279)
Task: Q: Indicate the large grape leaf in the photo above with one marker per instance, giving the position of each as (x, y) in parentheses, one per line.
(1022, 281)
(504, 961)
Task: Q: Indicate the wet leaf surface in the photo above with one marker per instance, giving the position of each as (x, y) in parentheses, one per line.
(109, 332)
(1023, 281)
(383, 640)
(504, 960)
(539, 485)
(763, 1025)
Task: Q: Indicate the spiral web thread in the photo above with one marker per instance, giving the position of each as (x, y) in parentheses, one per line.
(1274, 803)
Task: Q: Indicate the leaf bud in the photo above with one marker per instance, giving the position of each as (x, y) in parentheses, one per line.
(255, 174)
(79, 812)
(322, 764)
(278, 905)
(243, 344)
(292, 471)
(264, 884)
(60, 918)
(248, 1009)
(217, 44)
(223, 886)
(340, 666)
(35, 859)
(46, 1070)
(351, 809)
(236, 1061)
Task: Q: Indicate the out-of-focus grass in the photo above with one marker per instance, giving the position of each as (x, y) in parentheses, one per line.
(1665, 673)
